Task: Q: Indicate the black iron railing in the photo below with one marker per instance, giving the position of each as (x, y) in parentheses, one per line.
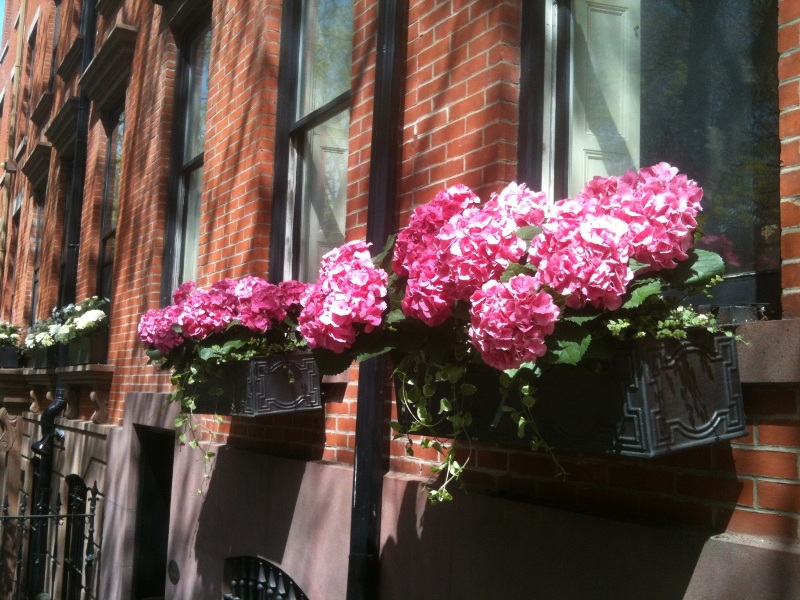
(32, 557)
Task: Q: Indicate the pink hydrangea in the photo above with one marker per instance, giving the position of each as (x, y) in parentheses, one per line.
(348, 298)
(292, 293)
(204, 312)
(158, 327)
(524, 206)
(259, 303)
(414, 240)
(472, 247)
(510, 321)
(583, 257)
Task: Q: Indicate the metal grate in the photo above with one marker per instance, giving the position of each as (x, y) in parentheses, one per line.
(253, 578)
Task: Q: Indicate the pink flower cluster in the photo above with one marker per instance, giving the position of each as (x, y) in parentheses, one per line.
(198, 313)
(348, 298)
(586, 244)
(455, 257)
(509, 321)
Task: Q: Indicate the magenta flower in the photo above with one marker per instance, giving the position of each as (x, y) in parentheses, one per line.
(158, 327)
(348, 298)
(413, 241)
(258, 304)
(509, 322)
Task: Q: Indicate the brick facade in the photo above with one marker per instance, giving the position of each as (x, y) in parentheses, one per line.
(460, 123)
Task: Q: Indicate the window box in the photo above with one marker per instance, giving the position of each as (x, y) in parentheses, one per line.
(43, 358)
(9, 357)
(88, 349)
(654, 397)
(264, 385)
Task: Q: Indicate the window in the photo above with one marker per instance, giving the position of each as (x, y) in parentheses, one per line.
(72, 579)
(183, 229)
(313, 136)
(108, 230)
(628, 83)
(36, 250)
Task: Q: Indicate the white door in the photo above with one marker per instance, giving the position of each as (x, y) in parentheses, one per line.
(604, 131)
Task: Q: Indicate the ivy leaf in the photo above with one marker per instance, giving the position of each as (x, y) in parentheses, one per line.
(648, 288)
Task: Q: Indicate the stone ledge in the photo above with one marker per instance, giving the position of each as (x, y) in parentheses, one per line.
(770, 352)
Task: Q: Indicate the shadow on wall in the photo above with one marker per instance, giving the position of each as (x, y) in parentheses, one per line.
(292, 513)
(478, 547)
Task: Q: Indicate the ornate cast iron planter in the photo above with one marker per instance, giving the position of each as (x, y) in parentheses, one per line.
(89, 349)
(9, 357)
(265, 385)
(654, 397)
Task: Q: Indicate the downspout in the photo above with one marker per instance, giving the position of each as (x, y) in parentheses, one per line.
(363, 577)
(12, 134)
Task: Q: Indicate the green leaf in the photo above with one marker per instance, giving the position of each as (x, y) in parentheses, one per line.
(648, 288)
(467, 389)
(528, 233)
(514, 269)
(331, 363)
(206, 353)
(698, 269)
(395, 316)
(569, 343)
(231, 345)
(453, 373)
(154, 355)
(379, 259)
(445, 406)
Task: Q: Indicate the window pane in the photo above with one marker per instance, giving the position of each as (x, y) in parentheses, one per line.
(324, 192)
(111, 208)
(197, 96)
(191, 232)
(325, 61)
(693, 83)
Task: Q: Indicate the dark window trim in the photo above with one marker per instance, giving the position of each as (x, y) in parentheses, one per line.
(289, 134)
(531, 124)
(762, 288)
(111, 232)
(288, 77)
(186, 33)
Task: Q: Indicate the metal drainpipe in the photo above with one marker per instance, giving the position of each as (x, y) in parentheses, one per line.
(363, 576)
(12, 142)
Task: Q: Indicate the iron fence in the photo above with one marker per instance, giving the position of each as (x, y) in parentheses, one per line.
(49, 552)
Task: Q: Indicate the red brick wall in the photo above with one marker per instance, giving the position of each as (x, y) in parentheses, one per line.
(459, 125)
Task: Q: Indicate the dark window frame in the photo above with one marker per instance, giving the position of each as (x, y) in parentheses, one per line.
(108, 229)
(186, 34)
(290, 135)
(762, 288)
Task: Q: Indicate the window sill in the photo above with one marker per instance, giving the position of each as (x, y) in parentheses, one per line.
(768, 354)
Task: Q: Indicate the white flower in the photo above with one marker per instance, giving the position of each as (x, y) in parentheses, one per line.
(65, 333)
(90, 319)
(43, 339)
